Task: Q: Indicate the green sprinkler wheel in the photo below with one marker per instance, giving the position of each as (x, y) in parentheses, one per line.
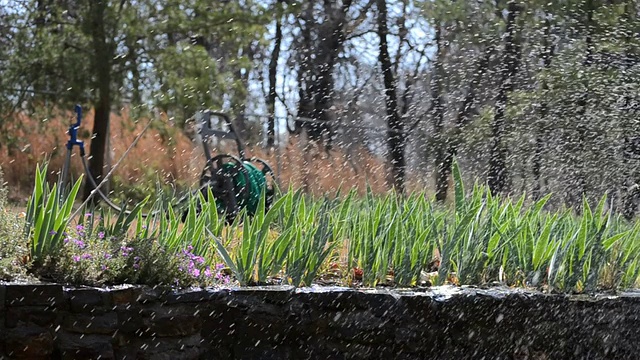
(269, 179)
(236, 183)
(227, 178)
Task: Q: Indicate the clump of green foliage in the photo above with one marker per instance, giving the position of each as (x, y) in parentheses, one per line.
(364, 241)
(13, 250)
(100, 247)
(482, 239)
(93, 258)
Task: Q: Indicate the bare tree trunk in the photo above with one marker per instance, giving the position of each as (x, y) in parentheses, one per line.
(396, 127)
(498, 176)
(464, 117)
(630, 190)
(437, 113)
(273, 72)
(581, 111)
(101, 64)
(547, 56)
(239, 99)
(316, 96)
(305, 86)
(325, 84)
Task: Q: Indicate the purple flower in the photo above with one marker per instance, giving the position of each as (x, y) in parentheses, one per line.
(195, 272)
(80, 228)
(66, 240)
(207, 272)
(76, 258)
(188, 253)
(87, 215)
(87, 256)
(101, 235)
(126, 250)
(104, 267)
(52, 232)
(79, 243)
(136, 266)
(220, 266)
(107, 256)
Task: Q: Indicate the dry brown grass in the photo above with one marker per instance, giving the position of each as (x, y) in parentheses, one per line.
(39, 139)
(167, 151)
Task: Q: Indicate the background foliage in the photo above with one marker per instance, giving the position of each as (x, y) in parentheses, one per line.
(531, 97)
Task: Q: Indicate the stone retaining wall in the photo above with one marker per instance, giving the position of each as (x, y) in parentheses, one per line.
(52, 322)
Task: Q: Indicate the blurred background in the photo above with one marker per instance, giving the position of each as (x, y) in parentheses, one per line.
(531, 97)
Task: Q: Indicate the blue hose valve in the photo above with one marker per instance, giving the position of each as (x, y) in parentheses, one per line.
(73, 132)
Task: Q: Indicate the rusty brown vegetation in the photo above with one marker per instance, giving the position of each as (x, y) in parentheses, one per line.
(165, 152)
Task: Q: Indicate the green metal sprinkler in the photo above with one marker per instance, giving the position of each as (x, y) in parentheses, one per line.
(236, 182)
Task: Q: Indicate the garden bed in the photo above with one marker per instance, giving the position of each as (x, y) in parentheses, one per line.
(385, 251)
(47, 321)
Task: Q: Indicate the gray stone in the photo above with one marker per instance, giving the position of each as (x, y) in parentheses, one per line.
(91, 324)
(151, 295)
(361, 327)
(131, 321)
(76, 346)
(180, 323)
(186, 348)
(3, 292)
(184, 354)
(29, 343)
(34, 295)
(279, 323)
(183, 297)
(269, 294)
(87, 300)
(329, 301)
(44, 316)
(125, 295)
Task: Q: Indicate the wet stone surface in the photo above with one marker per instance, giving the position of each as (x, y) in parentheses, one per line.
(88, 300)
(280, 322)
(31, 295)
